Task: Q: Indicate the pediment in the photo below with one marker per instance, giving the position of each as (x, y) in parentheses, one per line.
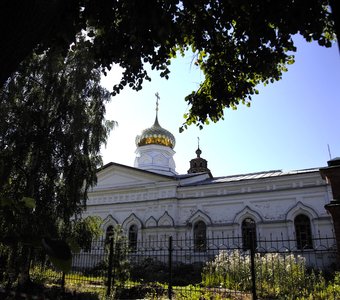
(119, 176)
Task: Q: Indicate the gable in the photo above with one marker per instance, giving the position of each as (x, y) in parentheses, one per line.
(114, 176)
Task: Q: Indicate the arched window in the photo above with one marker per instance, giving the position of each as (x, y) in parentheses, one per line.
(303, 232)
(248, 234)
(133, 232)
(200, 236)
(108, 234)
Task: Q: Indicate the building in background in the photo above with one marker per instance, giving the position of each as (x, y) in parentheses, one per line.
(151, 201)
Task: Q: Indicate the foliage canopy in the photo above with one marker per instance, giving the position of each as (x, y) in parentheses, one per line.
(237, 43)
(51, 128)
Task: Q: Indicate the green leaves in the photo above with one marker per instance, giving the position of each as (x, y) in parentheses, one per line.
(6, 202)
(84, 231)
(25, 202)
(29, 202)
(239, 44)
(52, 127)
(59, 253)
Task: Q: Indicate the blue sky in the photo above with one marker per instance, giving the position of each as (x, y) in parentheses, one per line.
(288, 126)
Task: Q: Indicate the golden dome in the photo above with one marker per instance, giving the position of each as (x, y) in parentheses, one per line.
(156, 135)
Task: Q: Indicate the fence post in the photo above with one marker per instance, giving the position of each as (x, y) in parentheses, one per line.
(109, 270)
(63, 282)
(170, 269)
(252, 267)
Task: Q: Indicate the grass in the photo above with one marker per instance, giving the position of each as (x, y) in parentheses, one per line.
(48, 283)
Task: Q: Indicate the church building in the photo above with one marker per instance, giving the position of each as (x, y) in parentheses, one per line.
(151, 201)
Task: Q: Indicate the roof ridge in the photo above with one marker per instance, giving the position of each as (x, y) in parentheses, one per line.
(252, 173)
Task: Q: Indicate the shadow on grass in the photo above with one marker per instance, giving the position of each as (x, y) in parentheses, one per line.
(34, 291)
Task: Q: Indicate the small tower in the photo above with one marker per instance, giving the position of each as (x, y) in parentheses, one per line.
(155, 149)
(198, 164)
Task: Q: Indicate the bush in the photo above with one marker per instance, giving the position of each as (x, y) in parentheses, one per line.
(277, 275)
(41, 275)
(150, 270)
(186, 274)
(230, 269)
(98, 270)
(149, 291)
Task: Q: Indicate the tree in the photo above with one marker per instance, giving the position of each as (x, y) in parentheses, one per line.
(77, 235)
(84, 231)
(117, 243)
(51, 128)
(238, 44)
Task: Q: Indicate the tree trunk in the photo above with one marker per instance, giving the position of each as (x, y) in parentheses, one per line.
(12, 267)
(24, 279)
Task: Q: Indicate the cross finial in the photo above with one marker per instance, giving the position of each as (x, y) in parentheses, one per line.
(157, 97)
(198, 151)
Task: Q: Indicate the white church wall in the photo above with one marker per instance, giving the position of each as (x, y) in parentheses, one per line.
(161, 203)
(161, 207)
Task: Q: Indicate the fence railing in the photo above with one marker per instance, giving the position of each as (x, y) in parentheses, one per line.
(179, 269)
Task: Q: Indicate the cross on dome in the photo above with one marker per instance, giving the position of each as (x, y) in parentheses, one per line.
(198, 151)
(198, 164)
(156, 134)
(157, 97)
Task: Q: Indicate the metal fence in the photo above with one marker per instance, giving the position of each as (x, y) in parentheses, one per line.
(179, 269)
